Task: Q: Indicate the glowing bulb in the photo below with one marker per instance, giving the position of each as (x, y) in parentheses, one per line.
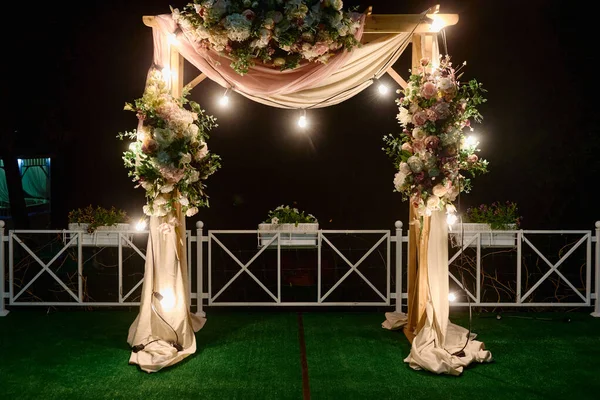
(167, 299)
(451, 297)
(141, 225)
(382, 89)
(224, 101)
(141, 135)
(172, 39)
(302, 121)
(471, 141)
(166, 74)
(132, 146)
(451, 219)
(437, 24)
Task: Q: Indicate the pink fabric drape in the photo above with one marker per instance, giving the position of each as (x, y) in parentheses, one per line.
(260, 80)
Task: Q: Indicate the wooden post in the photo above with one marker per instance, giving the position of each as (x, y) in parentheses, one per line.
(177, 63)
(418, 237)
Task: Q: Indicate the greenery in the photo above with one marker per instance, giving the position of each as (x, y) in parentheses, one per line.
(289, 215)
(498, 215)
(168, 156)
(97, 216)
(276, 33)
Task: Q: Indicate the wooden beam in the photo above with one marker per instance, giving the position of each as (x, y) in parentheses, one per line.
(398, 23)
(195, 81)
(396, 76)
(384, 23)
(149, 20)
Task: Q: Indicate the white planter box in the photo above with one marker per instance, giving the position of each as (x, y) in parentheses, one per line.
(103, 236)
(489, 237)
(303, 235)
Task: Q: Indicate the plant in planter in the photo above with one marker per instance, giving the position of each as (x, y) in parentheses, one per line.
(93, 219)
(295, 227)
(486, 220)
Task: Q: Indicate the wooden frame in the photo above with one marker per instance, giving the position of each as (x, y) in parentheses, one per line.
(377, 25)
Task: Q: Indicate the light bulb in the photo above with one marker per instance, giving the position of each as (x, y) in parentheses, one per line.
(302, 121)
(383, 89)
(172, 39)
(437, 24)
(132, 146)
(167, 299)
(451, 297)
(451, 219)
(471, 141)
(141, 225)
(224, 101)
(166, 74)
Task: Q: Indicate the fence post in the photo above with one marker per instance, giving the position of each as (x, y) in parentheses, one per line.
(596, 312)
(199, 259)
(398, 225)
(3, 311)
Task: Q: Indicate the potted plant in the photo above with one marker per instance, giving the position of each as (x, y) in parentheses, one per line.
(97, 226)
(496, 224)
(295, 228)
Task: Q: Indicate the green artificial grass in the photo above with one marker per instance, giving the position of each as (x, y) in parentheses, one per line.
(533, 359)
(256, 355)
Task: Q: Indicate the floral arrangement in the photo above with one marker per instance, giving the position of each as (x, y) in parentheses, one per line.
(169, 157)
(277, 33)
(432, 152)
(498, 215)
(97, 216)
(289, 215)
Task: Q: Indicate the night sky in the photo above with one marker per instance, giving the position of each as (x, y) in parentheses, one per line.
(71, 73)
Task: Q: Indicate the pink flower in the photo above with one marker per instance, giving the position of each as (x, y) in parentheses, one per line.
(419, 118)
(424, 61)
(431, 115)
(320, 48)
(442, 110)
(472, 158)
(407, 147)
(171, 174)
(149, 146)
(428, 90)
(418, 146)
(431, 142)
(249, 14)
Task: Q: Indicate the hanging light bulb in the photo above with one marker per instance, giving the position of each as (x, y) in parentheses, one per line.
(302, 121)
(471, 142)
(451, 297)
(132, 146)
(166, 297)
(166, 74)
(141, 225)
(451, 219)
(383, 89)
(224, 100)
(172, 39)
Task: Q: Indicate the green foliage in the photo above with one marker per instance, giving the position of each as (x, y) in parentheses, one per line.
(97, 216)
(289, 215)
(498, 215)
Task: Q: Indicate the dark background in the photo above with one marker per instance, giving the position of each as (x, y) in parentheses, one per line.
(71, 68)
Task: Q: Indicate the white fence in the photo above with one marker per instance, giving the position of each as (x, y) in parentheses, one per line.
(339, 268)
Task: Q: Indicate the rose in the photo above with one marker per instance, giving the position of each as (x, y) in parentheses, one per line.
(428, 90)
(186, 158)
(433, 202)
(431, 115)
(419, 118)
(442, 110)
(190, 212)
(472, 158)
(418, 146)
(439, 190)
(431, 142)
(149, 146)
(445, 84)
(407, 147)
(404, 168)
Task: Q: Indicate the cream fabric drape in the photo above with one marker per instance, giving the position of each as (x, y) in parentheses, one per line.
(310, 86)
(164, 319)
(436, 345)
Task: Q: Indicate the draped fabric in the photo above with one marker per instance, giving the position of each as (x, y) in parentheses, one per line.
(311, 85)
(35, 180)
(440, 346)
(164, 319)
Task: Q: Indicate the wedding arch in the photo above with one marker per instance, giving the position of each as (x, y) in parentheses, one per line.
(163, 332)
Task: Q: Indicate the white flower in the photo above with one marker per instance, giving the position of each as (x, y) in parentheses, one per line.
(439, 190)
(238, 27)
(186, 158)
(168, 188)
(147, 185)
(433, 202)
(404, 168)
(404, 116)
(419, 133)
(415, 164)
(190, 212)
(399, 180)
(194, 176)
(450, 209)
(160, 200)
(184, 201)
(445, 84)
(275, 220)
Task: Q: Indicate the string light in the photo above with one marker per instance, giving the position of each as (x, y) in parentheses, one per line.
(451, 297)
(141, 225)
(302, 121)
(224, 100)
(383, 89)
